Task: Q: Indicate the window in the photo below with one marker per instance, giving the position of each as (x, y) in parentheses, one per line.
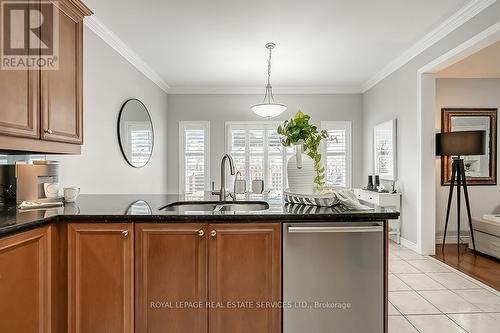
(257, 153)
(336, 153)
(140, 137)
(194, 157)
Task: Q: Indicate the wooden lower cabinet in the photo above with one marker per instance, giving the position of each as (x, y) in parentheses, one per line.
(100, 278)
(230, 270)
(25, 304)
(171, 278)
(245, 278)
(175, 277)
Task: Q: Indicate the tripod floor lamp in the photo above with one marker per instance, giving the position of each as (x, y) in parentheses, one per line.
(458, 144)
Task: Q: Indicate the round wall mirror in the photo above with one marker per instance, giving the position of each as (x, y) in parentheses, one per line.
(135, 133)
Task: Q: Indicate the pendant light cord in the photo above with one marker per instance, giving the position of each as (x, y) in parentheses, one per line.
(269, 89)
(269, 67)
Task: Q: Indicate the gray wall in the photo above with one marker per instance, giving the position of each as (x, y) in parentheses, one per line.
(468, 93)
(221, 108)
(109, 80)
(396, 97)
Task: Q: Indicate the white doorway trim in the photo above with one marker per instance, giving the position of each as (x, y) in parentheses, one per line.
(426, 160)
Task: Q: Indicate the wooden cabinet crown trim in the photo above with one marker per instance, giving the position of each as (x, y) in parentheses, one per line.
(82, 8)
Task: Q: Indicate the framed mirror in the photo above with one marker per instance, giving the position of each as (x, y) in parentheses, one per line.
(384, 150)
(135, 133)
(479, 170)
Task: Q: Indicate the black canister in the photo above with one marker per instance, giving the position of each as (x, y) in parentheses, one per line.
(370, 183)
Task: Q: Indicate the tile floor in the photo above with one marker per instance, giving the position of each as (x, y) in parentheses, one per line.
(427, 296)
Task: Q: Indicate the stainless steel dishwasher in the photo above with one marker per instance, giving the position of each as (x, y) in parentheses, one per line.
(333, 277)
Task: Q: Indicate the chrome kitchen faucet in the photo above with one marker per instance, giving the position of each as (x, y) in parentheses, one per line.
(222, 193)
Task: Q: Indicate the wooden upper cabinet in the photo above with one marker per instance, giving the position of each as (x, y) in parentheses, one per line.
(100, 278)
(244, 274)
(19, 112)
(42, 109)
(20, 96)
(171, 277)
(25, 282)
(61, 89)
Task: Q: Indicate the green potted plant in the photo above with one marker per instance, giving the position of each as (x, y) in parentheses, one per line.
(307, 138)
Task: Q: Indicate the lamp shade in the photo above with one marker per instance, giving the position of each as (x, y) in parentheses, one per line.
(461, 143)
(268, 109)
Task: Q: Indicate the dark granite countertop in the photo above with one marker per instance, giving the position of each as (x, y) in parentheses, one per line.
(146, 208)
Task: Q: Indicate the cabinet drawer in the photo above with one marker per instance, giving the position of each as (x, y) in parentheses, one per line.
(389, 201)
(372, 198)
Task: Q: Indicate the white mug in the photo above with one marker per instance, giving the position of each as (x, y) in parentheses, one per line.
(71, 193)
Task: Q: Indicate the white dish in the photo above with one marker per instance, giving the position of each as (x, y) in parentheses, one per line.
(331, 197)
(322, 200)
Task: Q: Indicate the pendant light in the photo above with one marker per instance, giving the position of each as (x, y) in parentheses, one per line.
(268, 108)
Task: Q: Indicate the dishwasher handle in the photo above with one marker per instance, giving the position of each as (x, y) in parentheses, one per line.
(329, 229)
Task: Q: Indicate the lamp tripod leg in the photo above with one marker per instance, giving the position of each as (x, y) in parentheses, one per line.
(450, 197)
(459, 184)
(467, 204)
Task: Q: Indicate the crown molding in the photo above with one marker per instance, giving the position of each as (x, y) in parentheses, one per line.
(453, 22)
(101, 30)
(260, 90)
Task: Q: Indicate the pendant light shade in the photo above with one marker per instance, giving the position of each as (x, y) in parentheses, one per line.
(268, 108)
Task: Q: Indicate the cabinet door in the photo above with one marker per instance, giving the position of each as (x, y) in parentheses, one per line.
(25, 282)
(100, 270)
(171, 278)
(19, 93)
(61, 89)
(244, 274)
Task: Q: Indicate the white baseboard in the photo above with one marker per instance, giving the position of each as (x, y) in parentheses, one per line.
(408, 244)
(452, 239)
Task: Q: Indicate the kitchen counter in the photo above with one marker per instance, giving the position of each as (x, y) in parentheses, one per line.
(146, 208)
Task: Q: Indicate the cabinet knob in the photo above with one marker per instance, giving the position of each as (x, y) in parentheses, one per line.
(125, 233)
(201, 233)
(213, 233)
(48, 131)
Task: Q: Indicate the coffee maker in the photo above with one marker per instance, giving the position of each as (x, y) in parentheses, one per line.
(24, 181)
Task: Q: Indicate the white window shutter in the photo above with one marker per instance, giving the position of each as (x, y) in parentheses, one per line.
(337, 153)
(194, 158)
(141, 138)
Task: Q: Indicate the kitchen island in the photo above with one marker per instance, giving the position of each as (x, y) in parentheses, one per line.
(118, 263)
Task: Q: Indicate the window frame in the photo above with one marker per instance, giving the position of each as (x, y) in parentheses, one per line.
(342, 125)
(183, 126)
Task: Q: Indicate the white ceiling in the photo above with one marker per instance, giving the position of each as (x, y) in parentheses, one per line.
(320, 43)
(484, 64)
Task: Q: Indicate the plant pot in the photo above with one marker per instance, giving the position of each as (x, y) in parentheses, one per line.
(300, 172)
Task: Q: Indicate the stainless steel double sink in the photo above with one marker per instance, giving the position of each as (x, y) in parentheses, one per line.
(216, 206)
